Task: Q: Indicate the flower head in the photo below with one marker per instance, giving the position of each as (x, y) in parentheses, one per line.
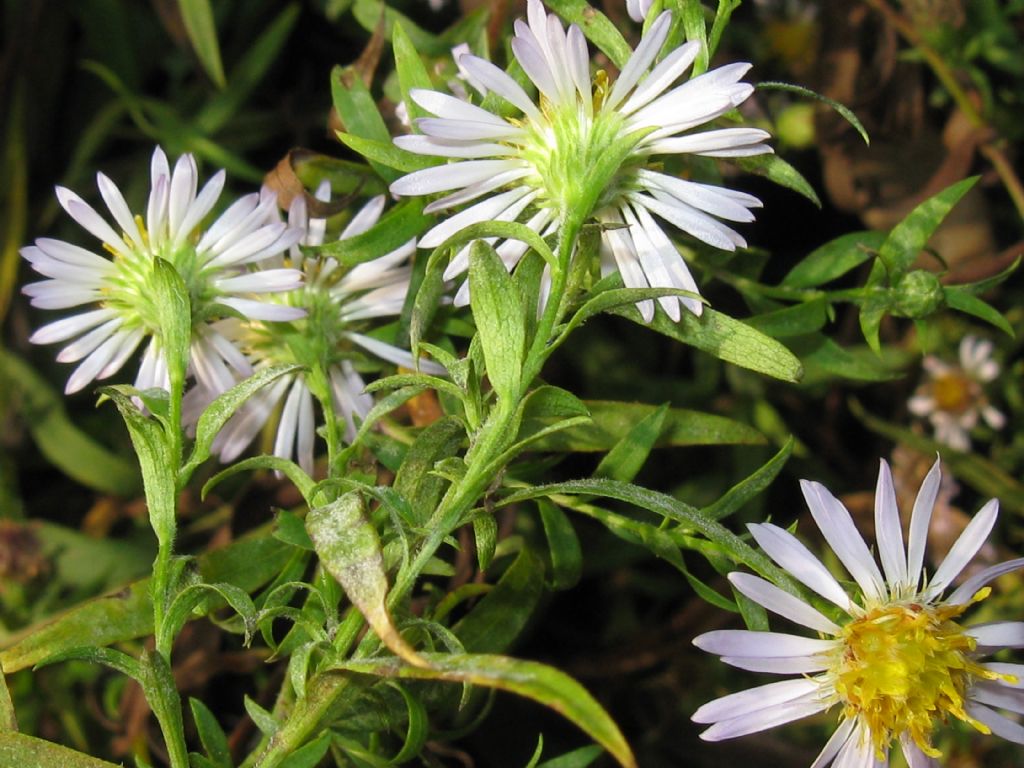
(338, 305)
(587, 152)
(953, 398)
(213, 263)
(894, 657)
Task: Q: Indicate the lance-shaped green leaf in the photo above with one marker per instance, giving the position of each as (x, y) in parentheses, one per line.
(611, 421)
(908, 238)
(845, 112)
(19, 749)
(500, 321)
(174, 308)
(563, 544)
(410, 69)
(395, 228)
(202, 33)
(415, 479)
(749, 487)
(775, 169)
(223, 408)
(8, 722)
(211, 735)
(727, 339)
(196, 595)
(628, 456)
(531, 679)
(151, 444)
(349, 548)
(834, 259)
(496, 621)
(358, 111)
(962, 298)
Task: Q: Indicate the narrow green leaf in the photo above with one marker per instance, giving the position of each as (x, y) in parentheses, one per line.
(211, 735)
(156, 462)
(18, 749)
(76, 454)
(303, 483)
(824, 359)
(386, 154)
(247, 563)
(834, 259)
(485, 535)
(292, 530)
(174, 308)
(223, 408)
(395, 228)
(415, 480)
(871, 313)
(359, 114)
(531, 679)
(722, 16)
(411, 72)
(628, 456)
(417, 728)
(796, 320)
(349, 548)
(496, 621)
(261, 718)
(196, 595)
(108, 657)
(611, 421)
(596, 26)
(908, 238)
(578, 758)
(845, 112)
(8, 721)
(963, 300)
(563, 544)
(370, 14)
(202, 33)
(748, 488)
(695, 28)
(672, 509)
(499, 317)
(309, 755)
(726, 338)
(775, 169)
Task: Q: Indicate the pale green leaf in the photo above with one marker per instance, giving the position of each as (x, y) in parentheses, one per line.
(499, 317)
(834, 259)
(202, 33)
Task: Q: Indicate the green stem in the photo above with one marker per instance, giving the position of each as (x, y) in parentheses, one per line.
(493, 437)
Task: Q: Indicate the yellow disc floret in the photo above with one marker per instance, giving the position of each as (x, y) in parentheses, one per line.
(902, 666)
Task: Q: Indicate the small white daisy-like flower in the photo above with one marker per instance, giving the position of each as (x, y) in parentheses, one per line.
(339, 303)
(894, 657)
(953, 396)
(587, 152)
(213, 263)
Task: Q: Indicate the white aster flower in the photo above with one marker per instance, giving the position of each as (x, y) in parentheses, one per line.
(214, 264)
(893, 657)
(586, 152)
(953, 397)
(340, 303)
(637, 9)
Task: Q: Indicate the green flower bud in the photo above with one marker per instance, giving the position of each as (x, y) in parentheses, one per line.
(918, 295)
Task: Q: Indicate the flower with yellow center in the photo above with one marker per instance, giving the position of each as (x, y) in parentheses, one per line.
(898, 661)
(589, 150)
(953, 398)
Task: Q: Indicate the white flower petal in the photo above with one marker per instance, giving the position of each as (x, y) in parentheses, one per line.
(127, 343)
(690, 220)
(485, 210)
(1000, 634)
(662, 76)
(889, 529)
(777, 601)
(396, 355)
(200, 207)
(62, 330)
(262, 281)
(965, 548)
(118, 208)
(791, 555)
(287, 427)
(184, 182)
(920, 520)
(743, 642)
(914, 756)
(641, 60)
(467, 130)
(996, 695)
(85, 345)
(262, 310)
(966, 591)
(1014, 670)
(498, 81)
(91, 221)
(1001, 726)
(835, 743)
(755, 699)
(765, 719)
(428, 145)
(449, 107)
(93, 364)
(441, 178)
(786, 665)
(836, 525)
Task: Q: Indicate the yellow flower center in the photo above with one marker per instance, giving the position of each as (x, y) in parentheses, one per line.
(902, 666)
(954, 392)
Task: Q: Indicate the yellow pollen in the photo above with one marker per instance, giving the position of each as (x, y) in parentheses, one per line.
(902, 667)
(954, 392)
